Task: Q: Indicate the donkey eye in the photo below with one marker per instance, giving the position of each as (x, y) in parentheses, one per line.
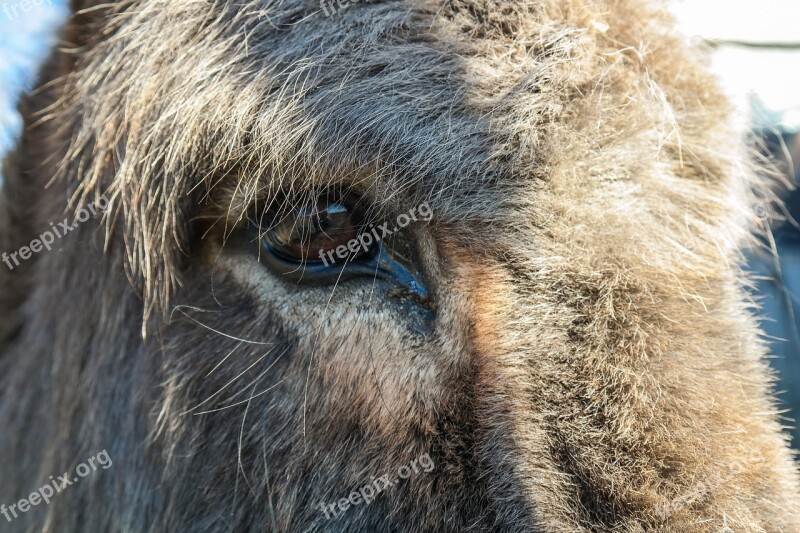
(311, 233)
(330, 242)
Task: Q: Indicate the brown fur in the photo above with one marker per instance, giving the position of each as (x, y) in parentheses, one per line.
(595, 358)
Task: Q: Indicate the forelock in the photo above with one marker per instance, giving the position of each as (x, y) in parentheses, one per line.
(172, 101)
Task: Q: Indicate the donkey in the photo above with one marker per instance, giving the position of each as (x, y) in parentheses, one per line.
(548, 330)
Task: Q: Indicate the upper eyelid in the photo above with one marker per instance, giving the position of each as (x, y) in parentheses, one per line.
(267, 212)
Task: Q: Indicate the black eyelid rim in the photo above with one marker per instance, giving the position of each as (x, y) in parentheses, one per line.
(380, 265)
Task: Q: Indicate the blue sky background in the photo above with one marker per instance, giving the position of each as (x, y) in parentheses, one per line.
(25, 37)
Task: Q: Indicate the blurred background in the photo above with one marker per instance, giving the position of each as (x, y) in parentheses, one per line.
(756, 56)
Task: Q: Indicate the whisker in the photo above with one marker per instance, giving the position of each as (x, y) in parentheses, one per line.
(243, 401)
(223, 360)
(178, 308)
(239, 450)
(260, 376)
(227, 384)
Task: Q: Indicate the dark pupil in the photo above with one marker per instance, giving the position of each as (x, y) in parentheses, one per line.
(302, 235)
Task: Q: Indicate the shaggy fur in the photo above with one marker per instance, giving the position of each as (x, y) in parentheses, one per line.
(594, 365)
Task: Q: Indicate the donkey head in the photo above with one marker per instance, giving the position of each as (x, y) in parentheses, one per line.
(383, 266)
